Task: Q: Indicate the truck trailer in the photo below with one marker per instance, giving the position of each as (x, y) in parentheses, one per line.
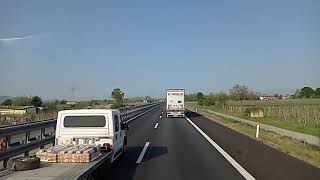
(175, 103)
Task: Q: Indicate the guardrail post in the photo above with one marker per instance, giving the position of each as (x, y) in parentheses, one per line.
(5, 163)
(27, 141)
(257, 131)
(42, 136)
(8, 139)
(54, 131)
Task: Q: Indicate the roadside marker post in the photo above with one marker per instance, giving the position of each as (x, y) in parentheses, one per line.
(257, 131)
(196, 109)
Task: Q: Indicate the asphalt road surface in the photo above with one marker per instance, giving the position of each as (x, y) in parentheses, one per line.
(177, 150)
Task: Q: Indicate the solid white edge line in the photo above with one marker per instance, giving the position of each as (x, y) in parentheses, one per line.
(234, 163)
(143, 152)
(156, 126)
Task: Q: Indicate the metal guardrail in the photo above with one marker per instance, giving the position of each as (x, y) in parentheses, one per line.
(21, 128)
(130, 112)
(9, 150)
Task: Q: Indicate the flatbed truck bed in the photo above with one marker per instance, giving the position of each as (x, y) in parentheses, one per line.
(59, 171)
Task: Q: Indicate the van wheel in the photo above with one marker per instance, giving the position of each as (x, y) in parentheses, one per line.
(124, 146)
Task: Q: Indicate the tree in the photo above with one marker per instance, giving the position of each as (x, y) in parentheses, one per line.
(63, 101)
(190, 97)
(22, 101)
(94, 102)
(209, 100)
(276, 95)
(36, 101)
(51, 106)
(117, 95)
(307, 92)
(148, 99)
(297, 94)
(200, 96)
(222, 98)
(253, 95)
(239, 92)
(7, 102)
(317, 92)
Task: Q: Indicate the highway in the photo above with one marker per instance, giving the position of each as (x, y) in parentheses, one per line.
(198, 148)
(177, 150)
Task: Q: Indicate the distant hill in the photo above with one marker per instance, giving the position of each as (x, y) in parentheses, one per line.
(3, 98)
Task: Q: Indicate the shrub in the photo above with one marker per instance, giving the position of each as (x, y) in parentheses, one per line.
(209, 101)
(252, 109)
(117, 106)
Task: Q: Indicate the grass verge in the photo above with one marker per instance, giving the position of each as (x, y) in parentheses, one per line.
(288, 124)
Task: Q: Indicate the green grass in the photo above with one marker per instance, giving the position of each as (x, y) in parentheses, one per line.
(293, 125)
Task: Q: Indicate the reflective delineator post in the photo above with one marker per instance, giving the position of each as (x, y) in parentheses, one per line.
(257, 131)
(196, 109)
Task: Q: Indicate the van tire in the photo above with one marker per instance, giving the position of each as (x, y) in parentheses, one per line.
(24, 163)
(124, 146)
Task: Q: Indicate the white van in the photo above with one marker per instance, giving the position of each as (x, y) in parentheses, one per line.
(102, 127)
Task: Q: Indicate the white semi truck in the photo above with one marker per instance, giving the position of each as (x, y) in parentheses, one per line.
(175, 103)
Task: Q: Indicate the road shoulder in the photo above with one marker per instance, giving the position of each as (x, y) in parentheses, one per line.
(295, 148)
(264, 161)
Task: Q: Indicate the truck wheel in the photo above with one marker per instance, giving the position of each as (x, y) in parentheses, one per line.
(24, 163)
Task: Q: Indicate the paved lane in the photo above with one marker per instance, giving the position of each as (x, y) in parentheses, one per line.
(176, 151)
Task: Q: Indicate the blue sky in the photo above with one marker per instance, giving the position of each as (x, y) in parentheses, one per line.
(49, 48)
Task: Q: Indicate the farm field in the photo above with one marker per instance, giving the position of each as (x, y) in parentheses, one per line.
(298, 115)
(277, 102)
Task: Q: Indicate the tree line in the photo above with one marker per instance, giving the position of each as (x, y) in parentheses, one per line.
(242, 92)
(237, 92)
(307, 92)
(117, 101)
(35, 101)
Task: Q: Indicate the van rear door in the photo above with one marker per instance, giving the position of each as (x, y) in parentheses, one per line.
(117, 143)
(82, 126)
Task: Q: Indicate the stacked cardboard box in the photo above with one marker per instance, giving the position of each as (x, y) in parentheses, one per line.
(70, 153)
